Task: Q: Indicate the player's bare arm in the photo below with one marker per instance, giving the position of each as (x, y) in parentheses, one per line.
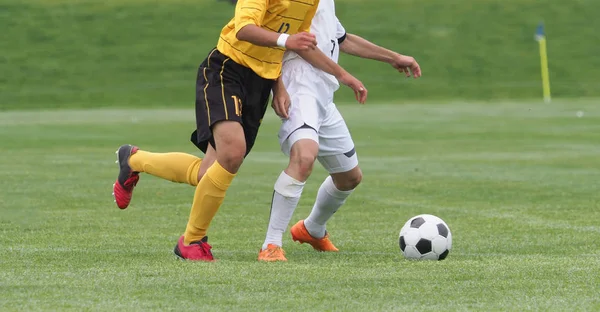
(250, 15)
(357, 46)
(319, 60)
(281, 99)
(266, 38)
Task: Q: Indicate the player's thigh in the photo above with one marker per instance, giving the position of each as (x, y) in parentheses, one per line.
(220, 90)
(334, 135)
(230, 144)
(303, 153)
(339, 163)
(305, 113)
(304, 147)
(228, 92)
(300, 139)
(257, 91)
(218, 85)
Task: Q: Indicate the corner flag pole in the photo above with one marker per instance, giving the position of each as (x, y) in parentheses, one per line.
(540, 37)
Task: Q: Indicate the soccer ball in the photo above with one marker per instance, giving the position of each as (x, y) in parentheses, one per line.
(425, 237)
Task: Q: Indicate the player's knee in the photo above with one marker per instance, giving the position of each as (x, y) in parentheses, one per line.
(348, 180)
(302, 158)
(302, 162)
(231, 156)
(230, 144)
(355, 180)
(232, 160)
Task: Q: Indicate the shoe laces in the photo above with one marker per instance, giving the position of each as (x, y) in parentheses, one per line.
(206, 247)
(131, 181)
(275, 251)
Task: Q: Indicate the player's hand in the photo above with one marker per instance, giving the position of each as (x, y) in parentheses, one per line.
(301, 41)
(407, 65)
(360, 92)
(281, 103)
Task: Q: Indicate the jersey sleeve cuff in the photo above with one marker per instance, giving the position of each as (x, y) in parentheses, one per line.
(243, 24)
(341, 39)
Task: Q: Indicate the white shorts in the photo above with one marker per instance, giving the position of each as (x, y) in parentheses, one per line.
(314, 116)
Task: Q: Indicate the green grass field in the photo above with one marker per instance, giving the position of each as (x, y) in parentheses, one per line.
(515, 179)
(517, 182)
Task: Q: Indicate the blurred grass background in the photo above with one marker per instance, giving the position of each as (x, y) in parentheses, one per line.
(142, 53)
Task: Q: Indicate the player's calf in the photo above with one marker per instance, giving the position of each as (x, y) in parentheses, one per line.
(330, 197)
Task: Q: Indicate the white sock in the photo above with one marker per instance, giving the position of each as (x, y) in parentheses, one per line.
(329, 200)
(285, 199)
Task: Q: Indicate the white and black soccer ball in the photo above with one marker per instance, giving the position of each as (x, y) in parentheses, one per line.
(425, 237)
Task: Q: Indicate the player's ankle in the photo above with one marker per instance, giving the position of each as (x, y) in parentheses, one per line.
(314, 229)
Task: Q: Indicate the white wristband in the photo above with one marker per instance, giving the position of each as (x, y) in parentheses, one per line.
(282, 40)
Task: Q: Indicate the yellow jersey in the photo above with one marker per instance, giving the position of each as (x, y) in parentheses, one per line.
(282, 16)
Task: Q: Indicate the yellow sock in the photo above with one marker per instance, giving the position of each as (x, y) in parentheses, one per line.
(176, 167)
(209, 196)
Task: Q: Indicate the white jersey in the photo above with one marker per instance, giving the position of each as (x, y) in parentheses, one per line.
(312, 113)
(329, 32)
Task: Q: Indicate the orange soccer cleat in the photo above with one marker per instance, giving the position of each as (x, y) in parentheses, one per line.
(300, 234)
(271, 254)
